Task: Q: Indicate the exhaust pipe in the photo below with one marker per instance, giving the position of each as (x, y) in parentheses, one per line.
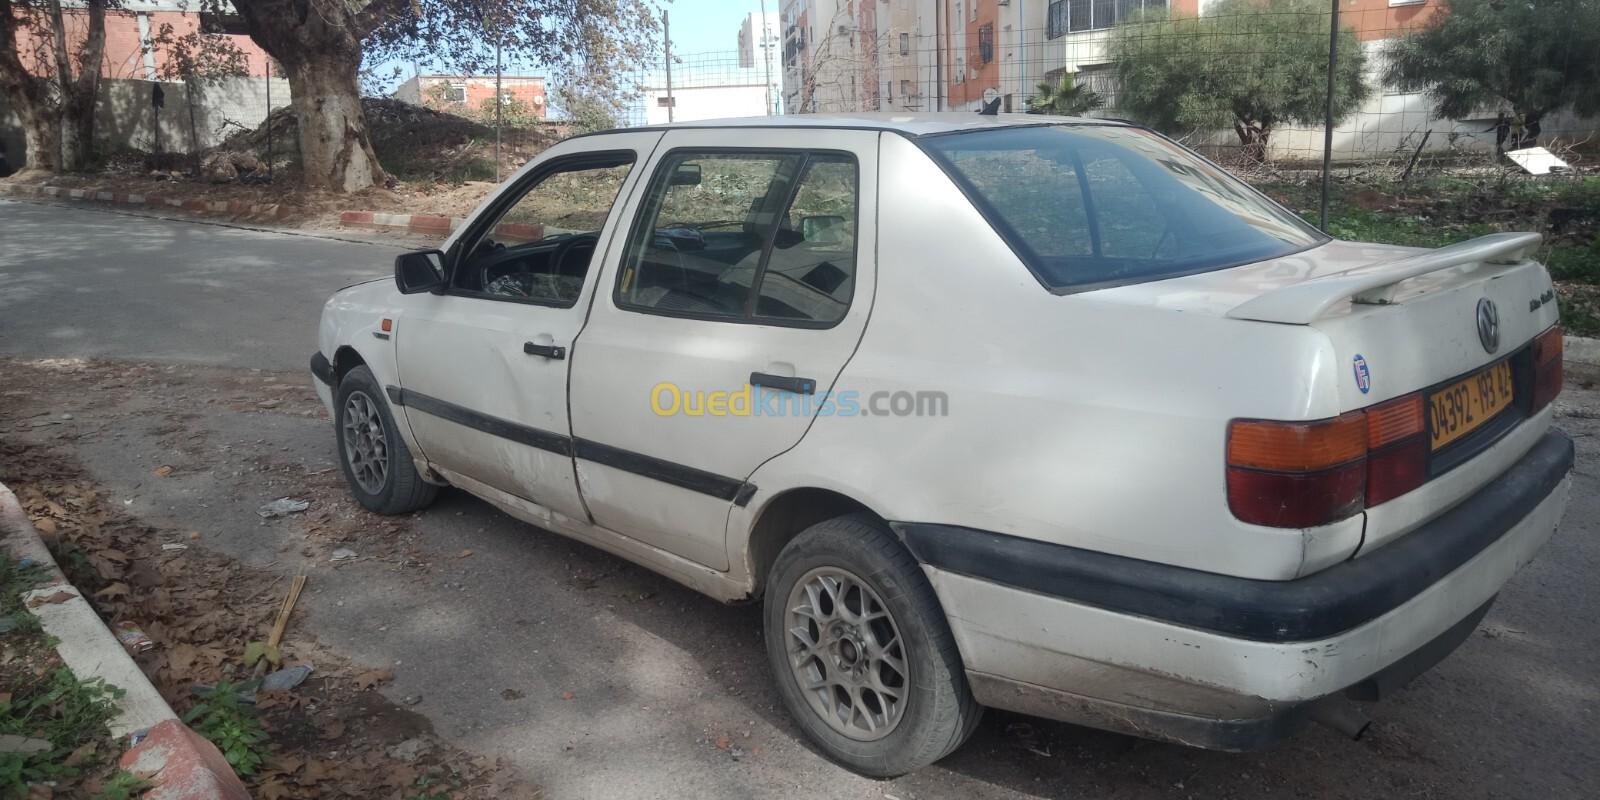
(1342, 716)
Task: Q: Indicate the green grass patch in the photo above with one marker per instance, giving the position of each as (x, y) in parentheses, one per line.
(231, 725)
(46, 701)
(1409, 230)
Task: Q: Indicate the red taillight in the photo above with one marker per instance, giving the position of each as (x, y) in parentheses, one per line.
(1305, 474)
(1547, 370)
(1296, 500)
(1297, 474)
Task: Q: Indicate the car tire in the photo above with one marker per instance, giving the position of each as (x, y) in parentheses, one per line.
(377, 464)
(808, 636)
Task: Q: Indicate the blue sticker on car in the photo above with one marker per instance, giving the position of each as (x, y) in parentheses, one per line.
(1363, 375)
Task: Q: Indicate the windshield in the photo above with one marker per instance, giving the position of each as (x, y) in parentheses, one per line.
(1091, 206)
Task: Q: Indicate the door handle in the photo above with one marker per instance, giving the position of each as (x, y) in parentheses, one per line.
(554, 351)
(784, 383)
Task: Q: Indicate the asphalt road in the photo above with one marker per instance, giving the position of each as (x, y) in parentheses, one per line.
(622, 684)
(114, 285)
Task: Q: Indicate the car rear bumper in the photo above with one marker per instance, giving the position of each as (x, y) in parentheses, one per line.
(1229, 663)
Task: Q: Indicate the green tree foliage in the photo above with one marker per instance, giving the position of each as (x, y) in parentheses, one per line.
(1529, 57)
(1064, 97)
(587, 109)
(1252, 65)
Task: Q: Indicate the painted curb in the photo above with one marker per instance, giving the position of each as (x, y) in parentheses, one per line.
(183, 765)
(428, 224)
(232, 208)
(86, 645)
(1581, 350)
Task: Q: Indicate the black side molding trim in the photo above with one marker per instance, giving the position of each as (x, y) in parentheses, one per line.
(322, 369)
(682, 476)
(494, 426)
(1332, 601)
(679, 475)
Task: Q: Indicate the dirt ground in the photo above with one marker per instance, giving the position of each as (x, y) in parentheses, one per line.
(333, 736)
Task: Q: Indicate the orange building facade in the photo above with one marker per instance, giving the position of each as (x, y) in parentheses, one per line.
(132, 33)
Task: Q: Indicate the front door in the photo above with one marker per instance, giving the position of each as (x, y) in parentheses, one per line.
(483, 366)
(731, 305)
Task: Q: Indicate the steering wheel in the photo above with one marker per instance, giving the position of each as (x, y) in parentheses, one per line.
(563, 251)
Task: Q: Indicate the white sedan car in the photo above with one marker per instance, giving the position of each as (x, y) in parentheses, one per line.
(1041, 414)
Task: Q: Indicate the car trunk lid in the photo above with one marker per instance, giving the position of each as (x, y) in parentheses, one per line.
(1400, 321)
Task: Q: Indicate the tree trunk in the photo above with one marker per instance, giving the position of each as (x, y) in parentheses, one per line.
(26, 96)
(38, 137)
(80, 90)
(1253, 138)
(318, 44)
(335, 149)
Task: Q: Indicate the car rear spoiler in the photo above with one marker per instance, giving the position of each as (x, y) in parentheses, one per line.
(1303, 303)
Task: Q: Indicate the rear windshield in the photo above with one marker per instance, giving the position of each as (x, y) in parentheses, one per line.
(1091, 206)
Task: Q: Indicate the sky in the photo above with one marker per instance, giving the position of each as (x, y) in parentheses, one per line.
(700, 26)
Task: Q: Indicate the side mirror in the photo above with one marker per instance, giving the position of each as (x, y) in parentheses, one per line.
(685, 175)
(422, 271)
(822, 229)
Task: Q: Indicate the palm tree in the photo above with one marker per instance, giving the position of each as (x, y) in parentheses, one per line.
(1064, 98)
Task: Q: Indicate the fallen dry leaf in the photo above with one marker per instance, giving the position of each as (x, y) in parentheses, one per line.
(45, 525)
(58, 597)
(464, 554)
(162, 471)
(566, 695)
(115, 590)
(373, 677)
(81, 754)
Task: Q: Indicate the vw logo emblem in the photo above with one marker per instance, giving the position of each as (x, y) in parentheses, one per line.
(1488, 325)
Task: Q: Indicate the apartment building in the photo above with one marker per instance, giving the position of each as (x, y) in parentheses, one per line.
(860, 55)
(473, 95)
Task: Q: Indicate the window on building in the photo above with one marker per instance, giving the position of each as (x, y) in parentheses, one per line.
(1071, 16)
(455, 93)
(905, 90)
(1056, 19)
(905, 44)
(1080, 16)
(961, 69)
(986, 43)
(973, 12)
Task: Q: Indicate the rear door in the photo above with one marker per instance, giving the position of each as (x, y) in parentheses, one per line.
(740, 291)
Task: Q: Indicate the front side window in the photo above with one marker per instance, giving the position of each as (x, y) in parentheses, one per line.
(743, 236)
(539, 245)
(1091, 206)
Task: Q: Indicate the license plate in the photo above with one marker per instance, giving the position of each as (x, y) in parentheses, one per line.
(1464, 406)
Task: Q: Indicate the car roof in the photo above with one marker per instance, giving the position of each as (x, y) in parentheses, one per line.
(908, 124)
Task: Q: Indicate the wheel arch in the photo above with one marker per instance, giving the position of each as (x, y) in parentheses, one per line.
(784, 516)
(346, 358)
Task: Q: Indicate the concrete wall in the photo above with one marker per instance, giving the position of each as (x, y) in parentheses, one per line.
(125, 119)
(127, 122)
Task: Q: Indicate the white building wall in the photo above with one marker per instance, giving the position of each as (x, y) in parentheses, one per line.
(705, 102)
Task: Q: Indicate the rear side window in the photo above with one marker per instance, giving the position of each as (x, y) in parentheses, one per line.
(1092, 206)
(766, 236)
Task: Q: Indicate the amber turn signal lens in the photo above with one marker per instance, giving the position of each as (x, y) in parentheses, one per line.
(1397, 419)
(1297, 446)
